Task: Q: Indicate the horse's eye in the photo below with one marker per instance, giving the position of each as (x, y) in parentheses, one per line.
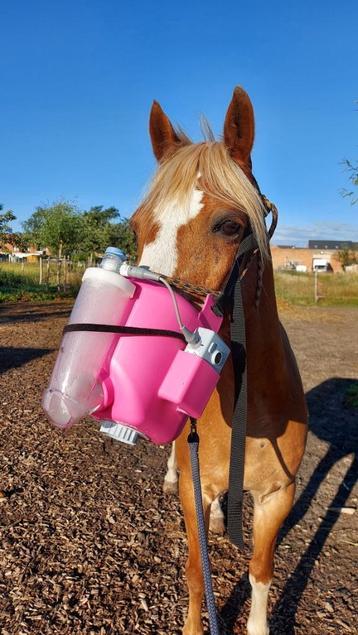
(228, 228)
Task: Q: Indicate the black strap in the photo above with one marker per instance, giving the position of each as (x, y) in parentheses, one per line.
(238, 433)
(122, 330)
(227, 294)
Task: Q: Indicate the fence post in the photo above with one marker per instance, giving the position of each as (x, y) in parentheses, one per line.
(58, 270)
(41, 271)
(316, 286)
(65, 266)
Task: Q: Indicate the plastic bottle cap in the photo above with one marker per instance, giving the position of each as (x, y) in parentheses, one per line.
(115, 252)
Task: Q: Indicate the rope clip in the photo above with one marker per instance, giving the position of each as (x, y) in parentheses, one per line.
(193, 434)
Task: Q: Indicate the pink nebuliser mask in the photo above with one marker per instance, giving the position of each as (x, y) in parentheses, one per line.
(151, 374)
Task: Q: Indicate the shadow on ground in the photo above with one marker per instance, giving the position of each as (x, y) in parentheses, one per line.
(334, 422)
(26, 312)
(11, 357)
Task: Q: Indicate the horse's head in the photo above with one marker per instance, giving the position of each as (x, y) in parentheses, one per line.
(202, 199)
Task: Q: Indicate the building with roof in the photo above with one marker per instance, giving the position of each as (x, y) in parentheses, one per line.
(319, 255)
(339, 245)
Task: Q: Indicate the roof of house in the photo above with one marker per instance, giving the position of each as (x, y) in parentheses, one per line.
(333, 244)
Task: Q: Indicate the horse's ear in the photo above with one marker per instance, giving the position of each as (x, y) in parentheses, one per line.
(163, 136)
(239, 127)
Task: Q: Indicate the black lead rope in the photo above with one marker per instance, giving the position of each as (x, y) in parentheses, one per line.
(193, 440)
(238, 437)
(237, 460)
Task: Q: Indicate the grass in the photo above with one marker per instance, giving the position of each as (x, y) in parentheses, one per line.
(34, 294)
(14, 271)
(292, 288)
(22, 284)
(339, 289)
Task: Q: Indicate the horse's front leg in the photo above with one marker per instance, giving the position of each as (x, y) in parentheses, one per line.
(268, 518)
(170, 484)
(193, 624)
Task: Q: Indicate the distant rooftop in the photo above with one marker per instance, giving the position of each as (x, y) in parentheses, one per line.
(333, 244)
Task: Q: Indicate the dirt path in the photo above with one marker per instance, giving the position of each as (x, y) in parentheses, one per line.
(88, 542)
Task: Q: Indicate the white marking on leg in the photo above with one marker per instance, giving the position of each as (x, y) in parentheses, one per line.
(171, 477)
(217, 523)
(257, 622)
(161, 254)
(172, 473)
(216, 508)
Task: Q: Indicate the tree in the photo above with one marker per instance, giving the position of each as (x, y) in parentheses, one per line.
(7, 236)
(352, 168)
(346, 258)
(95, 230)
(122, 236)
(56, 226)
(6, 219)
(99, 231)
(67, 231)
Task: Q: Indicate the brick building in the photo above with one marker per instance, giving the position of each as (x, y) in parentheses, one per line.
(288, 257)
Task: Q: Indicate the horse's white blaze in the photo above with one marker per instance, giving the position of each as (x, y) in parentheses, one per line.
(161, 255)
(257, 622)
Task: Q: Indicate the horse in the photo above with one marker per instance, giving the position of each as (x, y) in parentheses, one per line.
(203, 201)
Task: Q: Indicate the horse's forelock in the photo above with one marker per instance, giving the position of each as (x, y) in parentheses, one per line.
(220, 177)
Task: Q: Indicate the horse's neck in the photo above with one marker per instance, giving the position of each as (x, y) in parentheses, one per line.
(263, 329)
(267, 348)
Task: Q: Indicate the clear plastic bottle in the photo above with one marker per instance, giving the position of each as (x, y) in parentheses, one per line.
(75, 388)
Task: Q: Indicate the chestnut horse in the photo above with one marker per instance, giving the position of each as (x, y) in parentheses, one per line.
(202, 202)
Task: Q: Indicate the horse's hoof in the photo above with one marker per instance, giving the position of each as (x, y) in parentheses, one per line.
(170, 487)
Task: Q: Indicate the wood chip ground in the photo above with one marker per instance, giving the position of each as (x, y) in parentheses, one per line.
(89, 544)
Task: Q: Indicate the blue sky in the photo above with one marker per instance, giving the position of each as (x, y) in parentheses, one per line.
(78, 78)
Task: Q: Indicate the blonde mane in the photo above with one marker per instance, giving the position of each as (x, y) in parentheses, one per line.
(220, 177)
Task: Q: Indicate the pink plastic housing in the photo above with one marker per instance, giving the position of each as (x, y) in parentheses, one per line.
(149, 382)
